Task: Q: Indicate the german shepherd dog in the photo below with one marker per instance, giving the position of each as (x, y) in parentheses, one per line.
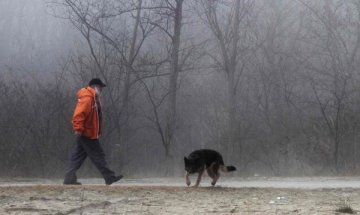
(205, 159)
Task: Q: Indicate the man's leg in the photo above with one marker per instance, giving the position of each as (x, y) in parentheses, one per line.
(76, 160)
(96, 154)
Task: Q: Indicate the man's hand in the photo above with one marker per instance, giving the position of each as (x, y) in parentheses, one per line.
(78, 134)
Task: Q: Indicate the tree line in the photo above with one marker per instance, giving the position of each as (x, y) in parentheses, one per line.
(272, 85)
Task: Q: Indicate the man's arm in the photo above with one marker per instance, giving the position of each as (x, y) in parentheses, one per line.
(82, 110)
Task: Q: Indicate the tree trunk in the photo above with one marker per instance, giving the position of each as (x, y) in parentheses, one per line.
(125, 131)
(232, 145)
(171, 115)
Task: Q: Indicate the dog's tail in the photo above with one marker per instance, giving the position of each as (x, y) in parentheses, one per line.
(227, 168)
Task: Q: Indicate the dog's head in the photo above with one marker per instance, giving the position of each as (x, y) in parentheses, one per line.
(191, 165)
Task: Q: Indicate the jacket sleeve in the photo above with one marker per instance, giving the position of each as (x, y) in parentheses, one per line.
(82, 110)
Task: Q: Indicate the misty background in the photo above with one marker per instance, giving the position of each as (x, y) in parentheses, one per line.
(271, 84)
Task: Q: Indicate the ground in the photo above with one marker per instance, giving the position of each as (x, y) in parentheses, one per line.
(171, 196)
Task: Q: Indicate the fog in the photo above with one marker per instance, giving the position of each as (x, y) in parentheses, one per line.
(272, 85)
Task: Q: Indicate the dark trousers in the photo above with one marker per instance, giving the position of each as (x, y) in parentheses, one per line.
(87, 147)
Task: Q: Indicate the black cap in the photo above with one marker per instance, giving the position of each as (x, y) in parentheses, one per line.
(97, 81)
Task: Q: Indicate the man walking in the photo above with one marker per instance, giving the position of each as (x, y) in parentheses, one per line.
(86, 123)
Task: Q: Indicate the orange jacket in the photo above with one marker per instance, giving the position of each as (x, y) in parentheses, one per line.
(86, 117)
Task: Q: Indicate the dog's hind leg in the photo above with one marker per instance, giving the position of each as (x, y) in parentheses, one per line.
(216, 175)
(213, 176)
(210, 171)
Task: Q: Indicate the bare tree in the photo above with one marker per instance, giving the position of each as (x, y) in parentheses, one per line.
(227, 36)
(173, 79)
(118, 50)
(333, 73)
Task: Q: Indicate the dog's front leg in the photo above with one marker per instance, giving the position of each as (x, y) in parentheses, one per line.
(187, 179)
(199, 178)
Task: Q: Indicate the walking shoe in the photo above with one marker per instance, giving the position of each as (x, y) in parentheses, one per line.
(72, 183)
(113, 179)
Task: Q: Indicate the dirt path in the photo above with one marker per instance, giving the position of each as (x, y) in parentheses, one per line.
(120, 199)
(225, 182)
